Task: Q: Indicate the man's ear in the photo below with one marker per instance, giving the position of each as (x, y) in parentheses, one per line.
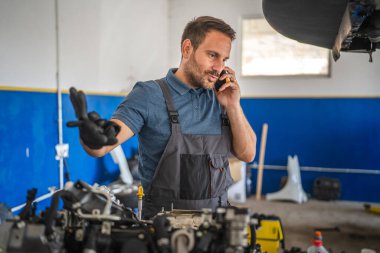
(187, 48)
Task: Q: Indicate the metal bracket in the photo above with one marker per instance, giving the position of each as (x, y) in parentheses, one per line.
(61, 151)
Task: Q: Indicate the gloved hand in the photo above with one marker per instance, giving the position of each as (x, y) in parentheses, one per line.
(94, 131)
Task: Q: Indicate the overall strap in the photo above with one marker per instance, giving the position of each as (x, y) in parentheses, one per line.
(173, 113)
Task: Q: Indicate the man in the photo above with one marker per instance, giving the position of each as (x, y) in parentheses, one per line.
(186, 128)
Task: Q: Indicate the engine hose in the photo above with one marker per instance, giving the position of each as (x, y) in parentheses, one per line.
(161, 225)
(51, 214)
(182, 240)
(252, 242)
(90, 244)
(25, 213)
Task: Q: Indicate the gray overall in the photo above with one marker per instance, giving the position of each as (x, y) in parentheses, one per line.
(193, 171)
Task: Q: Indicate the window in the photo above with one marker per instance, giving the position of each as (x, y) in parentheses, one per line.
(265, 52)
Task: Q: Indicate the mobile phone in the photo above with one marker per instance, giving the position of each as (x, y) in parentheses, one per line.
(219, 82)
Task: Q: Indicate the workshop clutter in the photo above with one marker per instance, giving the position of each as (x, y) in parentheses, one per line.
(237, 191)
(269, 233)
(372, 208)
(317, 246)
(325, 188)
(94, 220)
(292, 191)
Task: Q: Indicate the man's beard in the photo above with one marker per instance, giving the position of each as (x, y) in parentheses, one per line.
(195, 76)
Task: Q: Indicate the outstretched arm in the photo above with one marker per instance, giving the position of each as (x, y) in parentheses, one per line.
(124, 134)
(98, 136)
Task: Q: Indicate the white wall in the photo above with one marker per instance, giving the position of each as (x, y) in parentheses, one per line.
(103, 45)
(108, 45)
(351, 75)
(27, 43)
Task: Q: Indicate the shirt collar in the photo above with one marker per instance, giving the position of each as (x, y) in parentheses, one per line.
(177, 85)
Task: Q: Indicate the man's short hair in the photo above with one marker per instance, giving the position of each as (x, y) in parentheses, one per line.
(197, 29)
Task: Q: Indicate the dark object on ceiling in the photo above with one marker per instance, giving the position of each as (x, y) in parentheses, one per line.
(339, 25)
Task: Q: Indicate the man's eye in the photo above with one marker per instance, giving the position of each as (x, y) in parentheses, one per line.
(212, 55)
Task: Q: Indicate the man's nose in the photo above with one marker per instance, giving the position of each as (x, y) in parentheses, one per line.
(218, 65)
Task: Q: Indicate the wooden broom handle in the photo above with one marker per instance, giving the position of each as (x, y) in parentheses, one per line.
(260, 169)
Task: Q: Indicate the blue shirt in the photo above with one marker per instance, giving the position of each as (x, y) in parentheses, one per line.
(144, 111)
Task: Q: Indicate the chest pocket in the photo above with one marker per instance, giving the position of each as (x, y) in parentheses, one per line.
(203, 176)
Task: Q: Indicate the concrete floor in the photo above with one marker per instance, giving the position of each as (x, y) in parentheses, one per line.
(345, 226)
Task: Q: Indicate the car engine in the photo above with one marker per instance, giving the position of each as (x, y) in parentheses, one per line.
(93, 220)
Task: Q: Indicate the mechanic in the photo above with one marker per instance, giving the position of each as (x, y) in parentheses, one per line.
(187, 130)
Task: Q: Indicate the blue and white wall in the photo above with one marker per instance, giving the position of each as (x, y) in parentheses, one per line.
(104, 47)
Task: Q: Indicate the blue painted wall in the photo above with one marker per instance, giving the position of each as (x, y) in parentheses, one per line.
(332, 133)
(29, 120)
(322, 132)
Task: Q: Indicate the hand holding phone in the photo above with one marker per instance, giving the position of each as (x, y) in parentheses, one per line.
(219, 83)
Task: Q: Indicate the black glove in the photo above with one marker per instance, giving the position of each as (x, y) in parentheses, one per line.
(94, 131)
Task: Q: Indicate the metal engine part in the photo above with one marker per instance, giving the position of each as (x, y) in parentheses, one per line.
(93, 220)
